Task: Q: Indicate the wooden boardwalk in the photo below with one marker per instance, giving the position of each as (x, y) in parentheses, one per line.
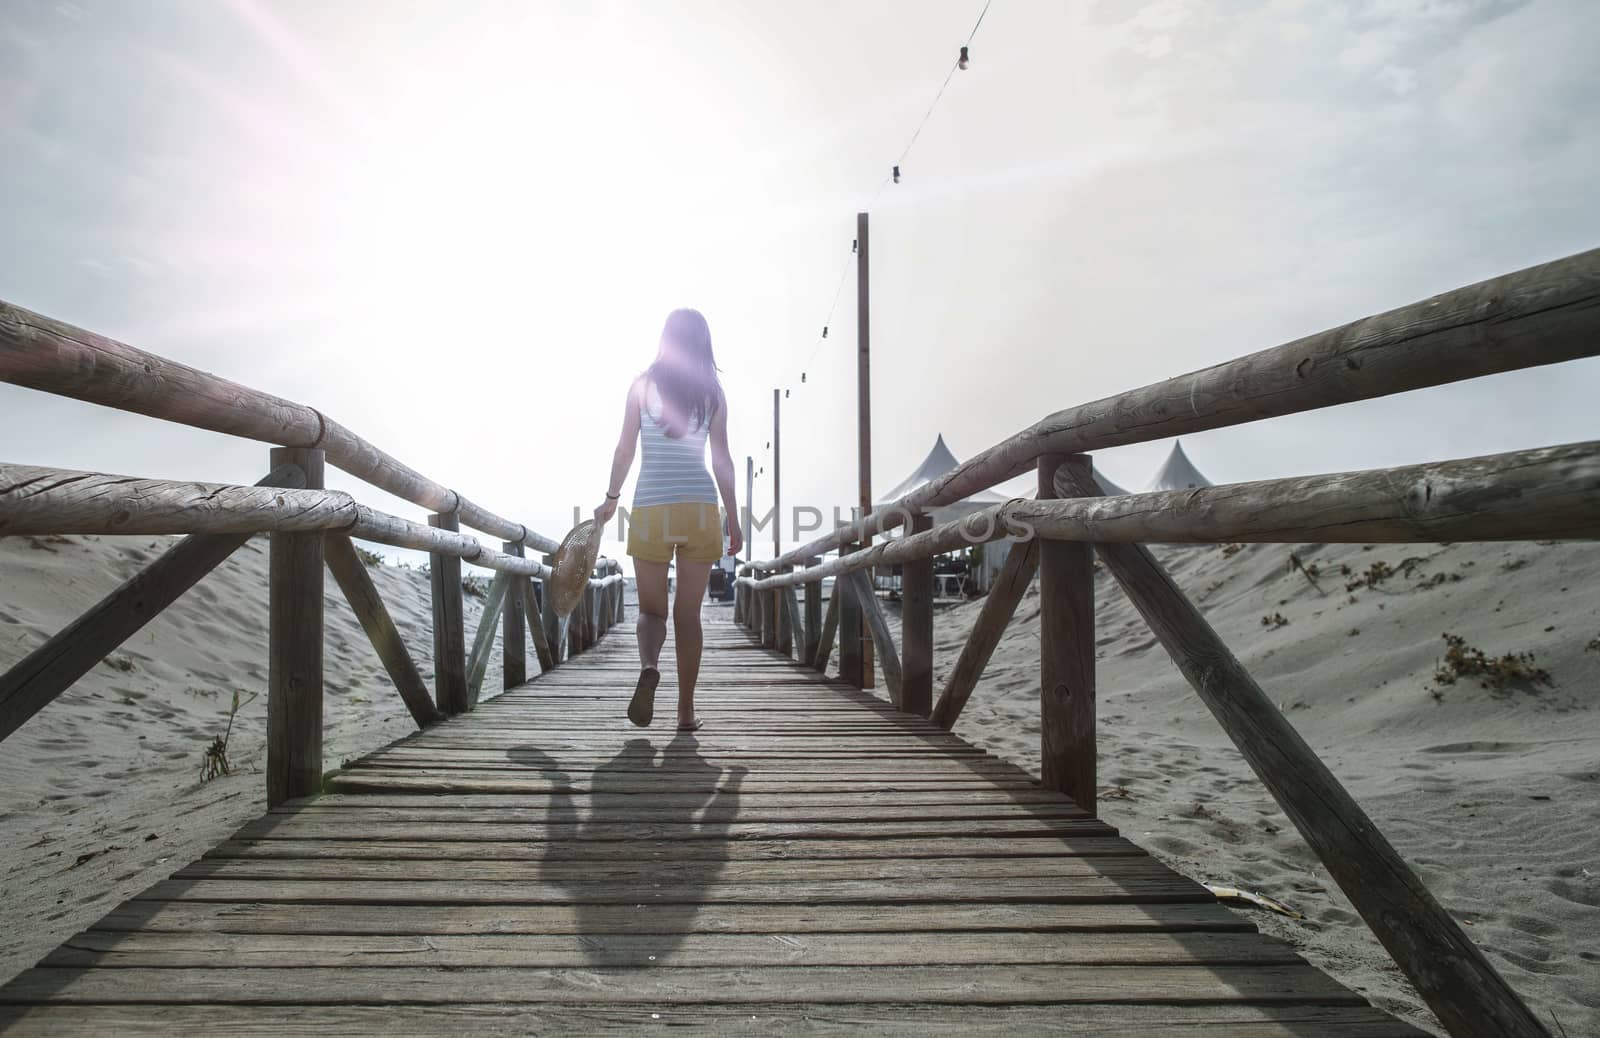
(810, 861)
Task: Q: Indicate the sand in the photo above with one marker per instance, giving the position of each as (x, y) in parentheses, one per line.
(1492, 796)
(102, 787)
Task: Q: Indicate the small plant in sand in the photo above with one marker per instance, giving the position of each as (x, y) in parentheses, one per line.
(215, 760)
(1496, 673)
(1275, 621)
(472, 587)
(1230, 550)
(368, 558)
(1376, 574)
(1594, 644)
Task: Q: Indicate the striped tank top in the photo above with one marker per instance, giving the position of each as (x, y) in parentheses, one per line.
(672, 470)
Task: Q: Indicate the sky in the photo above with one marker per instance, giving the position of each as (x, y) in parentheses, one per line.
(457, 227)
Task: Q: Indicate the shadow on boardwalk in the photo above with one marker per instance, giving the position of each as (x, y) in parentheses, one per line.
(635, 897)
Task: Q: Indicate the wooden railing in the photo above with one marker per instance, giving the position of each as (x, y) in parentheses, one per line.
(309, 527)
(1537, 316)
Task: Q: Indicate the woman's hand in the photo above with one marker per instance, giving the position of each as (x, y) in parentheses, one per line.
(735, 536)
(607, 509)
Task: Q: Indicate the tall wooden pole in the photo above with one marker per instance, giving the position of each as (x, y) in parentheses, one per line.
(749, 503)
(1066, 650)
(777, 509)
(864, 405)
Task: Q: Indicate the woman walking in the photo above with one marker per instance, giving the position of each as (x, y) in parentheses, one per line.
(673, 408)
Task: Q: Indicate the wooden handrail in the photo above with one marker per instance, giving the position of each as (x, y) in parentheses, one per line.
(1542, 315)
(1546, 493)
(54, 357)
(38, 500)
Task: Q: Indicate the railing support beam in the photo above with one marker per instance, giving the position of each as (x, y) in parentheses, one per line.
(916, 628)
(513, 637)
(294, 649)
(1066, 652)
(449, 624)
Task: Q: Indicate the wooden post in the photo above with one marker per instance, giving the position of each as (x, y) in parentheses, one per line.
(449, 624)
(554, 628)
(812, 627)
(1022, 562)
(864, 672)
(513, 638)
(850, 630)
(1066, 652)
(830, 629)
(351, 575)
(1461, 987)
(769, 618)
(294, 649)
(916, 628)
(72, 652)
(738, 598)
(785, 625)
(541, 643)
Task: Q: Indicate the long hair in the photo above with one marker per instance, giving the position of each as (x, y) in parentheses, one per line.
(685, 370)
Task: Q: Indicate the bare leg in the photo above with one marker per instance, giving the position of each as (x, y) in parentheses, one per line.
(692, 578)
(651, 580)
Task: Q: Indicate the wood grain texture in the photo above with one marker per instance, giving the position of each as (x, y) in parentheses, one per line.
(449, 624)
(513, 636)
(294, 649)
(859, 587)
(1467, 994)
(1067, 750)
(916, 628)
(810, 860)
(39, 677)
(351, 575)
(1540, 315)
(830, 629)
(483, 642)
(54, 357)
(1543, 494)
(534, 617)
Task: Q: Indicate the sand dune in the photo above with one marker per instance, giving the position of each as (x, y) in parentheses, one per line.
(102, 788)
(1492, 795)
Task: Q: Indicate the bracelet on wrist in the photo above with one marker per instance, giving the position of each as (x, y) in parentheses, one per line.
(613, 497)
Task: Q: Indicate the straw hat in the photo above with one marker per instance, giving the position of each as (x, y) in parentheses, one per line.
(573, 563)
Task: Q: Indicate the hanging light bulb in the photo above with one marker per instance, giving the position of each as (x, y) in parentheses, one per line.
(786, 394)
(964, 62)
(824, 331)
(769, 445)
(897, 174)
(802, 377)
(854, 245)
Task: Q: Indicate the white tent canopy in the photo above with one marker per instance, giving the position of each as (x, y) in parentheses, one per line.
(1177, 473)
(937, 463)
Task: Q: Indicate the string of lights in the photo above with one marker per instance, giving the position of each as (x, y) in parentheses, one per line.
(962, 62)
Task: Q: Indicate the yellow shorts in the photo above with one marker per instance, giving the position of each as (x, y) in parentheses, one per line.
(691, 528)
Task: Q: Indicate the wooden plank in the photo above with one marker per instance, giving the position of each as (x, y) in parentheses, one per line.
(794, 625)
(1229, 1020)
(851, 629)
(449, 632)
(904, 850)
(42, 675)
(555, 627)
(1451, 974)
(906, 919)
(294, 649)
(931, 985)
(102, 950)
(276, 829)
(351, 575)
(494, 601)
(1067, 750)
(1016, 574)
